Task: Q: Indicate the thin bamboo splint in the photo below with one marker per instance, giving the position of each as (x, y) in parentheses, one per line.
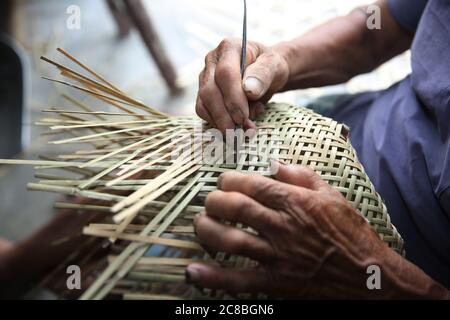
(125, 161)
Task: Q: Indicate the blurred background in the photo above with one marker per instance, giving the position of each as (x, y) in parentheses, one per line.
(116, 38)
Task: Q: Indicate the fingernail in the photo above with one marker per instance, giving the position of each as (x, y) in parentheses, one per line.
(192, 274)
(274, 166)
(253, 85)
(276, 162)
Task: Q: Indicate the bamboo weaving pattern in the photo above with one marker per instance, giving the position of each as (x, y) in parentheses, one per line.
(124, 163)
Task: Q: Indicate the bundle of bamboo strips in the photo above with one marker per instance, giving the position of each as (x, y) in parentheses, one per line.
(125, 160)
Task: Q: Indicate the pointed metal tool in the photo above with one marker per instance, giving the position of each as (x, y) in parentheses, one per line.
(244, 40)
(243, 65)
(243, 47)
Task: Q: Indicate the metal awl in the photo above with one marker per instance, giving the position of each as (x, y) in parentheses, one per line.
(243, 47)
(244, 41)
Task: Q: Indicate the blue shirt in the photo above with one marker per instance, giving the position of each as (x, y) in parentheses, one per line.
(402, 136)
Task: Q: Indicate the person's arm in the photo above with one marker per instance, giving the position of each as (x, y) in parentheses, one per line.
(329, 54)
(31, 259)
(310, 242)
(343, 48)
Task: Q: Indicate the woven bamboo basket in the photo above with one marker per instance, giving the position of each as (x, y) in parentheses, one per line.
(124, 162)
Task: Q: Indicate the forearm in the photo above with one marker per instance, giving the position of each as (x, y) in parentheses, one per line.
(342, 48)
(35, 256)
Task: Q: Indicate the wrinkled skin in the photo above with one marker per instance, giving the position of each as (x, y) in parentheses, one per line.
(310, 242)
(224, 100)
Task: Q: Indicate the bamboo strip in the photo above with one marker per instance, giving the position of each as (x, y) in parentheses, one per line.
(100, 288)
(146, 296)
(146, 157)
(133, 260)
(82, 65)
(144, 239)
(161, 141)
(78, 139)
(103, 173)
(156, 277)
(82, 106)
(131, 227)
(167, 178)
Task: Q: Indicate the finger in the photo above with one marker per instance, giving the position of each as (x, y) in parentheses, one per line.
(231, 280)
(236, 207)
(220, 237)
(266, 98)
(269, 192)
(202, 112)
(301, 176)
(262, 75)
(213, 102)
(255, 109)
(249, 124)
(228, 79)
(211, 97)
(258, 107)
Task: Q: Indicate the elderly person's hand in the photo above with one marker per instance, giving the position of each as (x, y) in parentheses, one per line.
(310, 241)
(223, 98)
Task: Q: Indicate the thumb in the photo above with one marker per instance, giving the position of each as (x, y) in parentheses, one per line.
(259, 76)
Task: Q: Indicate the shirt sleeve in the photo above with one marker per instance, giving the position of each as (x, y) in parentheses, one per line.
(407, 12)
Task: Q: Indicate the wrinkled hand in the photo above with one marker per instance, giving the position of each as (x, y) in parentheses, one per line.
(223, 98)
(310, 241)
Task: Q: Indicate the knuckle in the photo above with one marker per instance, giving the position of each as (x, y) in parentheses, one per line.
(306, 201)
(224, 123)
(299, 198)
(264, 71)
(264, 186)
(276, 192)
(201, 77)
(227, 44)
(269, 56)
(205, 91)
(224, 44)
(272, 56)
(210, 58)
(238, 114)
(224, 72)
